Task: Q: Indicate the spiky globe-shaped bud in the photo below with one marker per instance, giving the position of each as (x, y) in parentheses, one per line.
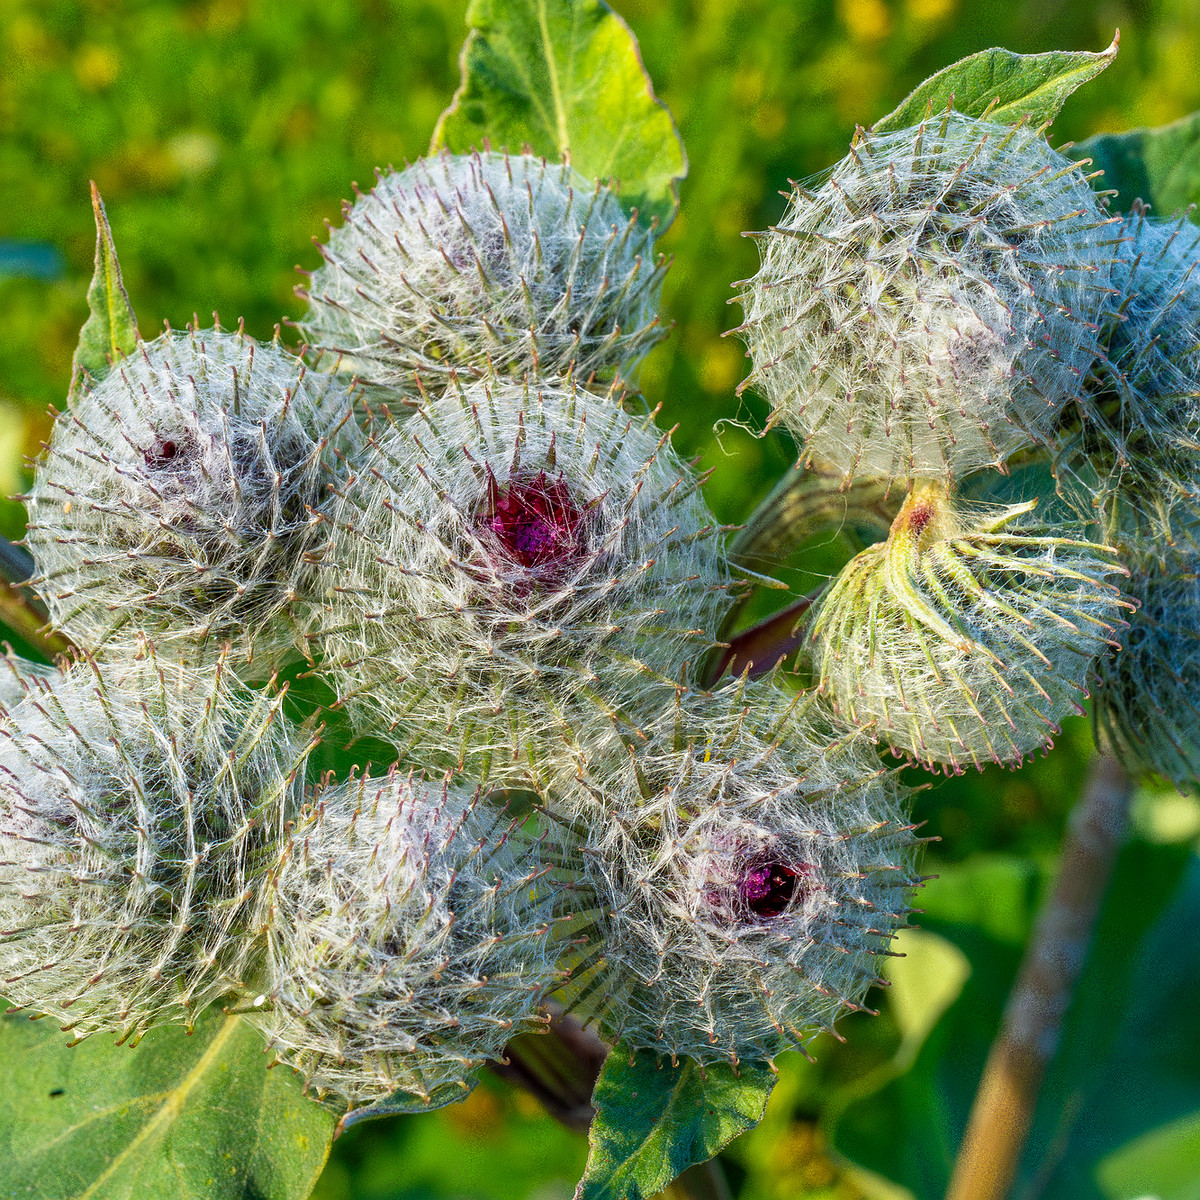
(412, 935)
(174, 500)
(1129, 458)
(509, 562)
(486, 261)
(140, 813)
(933, 305)
(746, 867)
(1147, 704)
(966, 636)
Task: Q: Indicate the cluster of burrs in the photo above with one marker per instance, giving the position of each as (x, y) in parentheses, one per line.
(454, 520)
(954, 314)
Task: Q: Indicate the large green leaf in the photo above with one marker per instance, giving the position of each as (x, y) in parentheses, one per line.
(565, 77)
(1160, 166)
(1003, 86)
(110, 329)
(177, 1116)
(1117, 1099)
(653, 1120)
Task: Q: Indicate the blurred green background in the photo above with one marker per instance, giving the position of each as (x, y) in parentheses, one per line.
(223, 133)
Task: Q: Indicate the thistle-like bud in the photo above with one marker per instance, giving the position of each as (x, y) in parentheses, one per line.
(746, 866)
(966, 636)
(1147, 705)
(934, 304)
(140, 814)
(1130, 457)
(174, 500)
(508, 562)
(411, 936)
(481, 262)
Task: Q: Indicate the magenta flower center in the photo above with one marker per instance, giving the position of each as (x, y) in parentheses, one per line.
(536, 522)
(768, 888)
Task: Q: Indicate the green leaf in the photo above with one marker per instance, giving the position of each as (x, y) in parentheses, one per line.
(111, 328)
(565, 77)
(1002, 86)
(653, 1120)
(1160, 166)
(178, 1115)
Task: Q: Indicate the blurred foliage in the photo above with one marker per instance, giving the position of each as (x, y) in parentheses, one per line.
(222, 133)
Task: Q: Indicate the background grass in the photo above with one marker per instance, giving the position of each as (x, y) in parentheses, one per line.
(223, 133)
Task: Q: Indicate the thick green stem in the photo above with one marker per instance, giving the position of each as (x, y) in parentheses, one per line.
(1007, 1097)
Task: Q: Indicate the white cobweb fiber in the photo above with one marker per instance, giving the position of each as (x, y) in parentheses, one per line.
(1147, 706)
(174, 500)
(486, 261)
(968, 635)
(140, 812)
(508, 563)
(411, 936)
(932, 306)
(746, 866)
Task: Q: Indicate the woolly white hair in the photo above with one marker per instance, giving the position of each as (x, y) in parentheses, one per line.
(411, 937)
(508, 562)
(140, 812)
(968, 635)
(17, 675)
(1130, 457)
(932, 307)
(174, 500)
(1147, 704)
(747, 867)
(486, 261)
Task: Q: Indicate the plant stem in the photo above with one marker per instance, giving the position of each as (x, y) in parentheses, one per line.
(1029, 1034)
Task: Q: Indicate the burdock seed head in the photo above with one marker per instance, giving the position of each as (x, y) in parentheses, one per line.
(934, 304)
(174, 501)
(412, 935)
(967, 635)
(485, 261)
(140, 814)
(508, 563)
(745, 867)
(1147, 704)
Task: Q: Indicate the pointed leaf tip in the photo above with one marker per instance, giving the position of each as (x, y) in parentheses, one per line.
(565, 78)
(1003, 87)
(111, 328)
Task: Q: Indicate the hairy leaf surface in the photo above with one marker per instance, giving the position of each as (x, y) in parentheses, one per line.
(1004, 86)
(653, 1120)
(564, 77)
(177, 1117)
(110, 329)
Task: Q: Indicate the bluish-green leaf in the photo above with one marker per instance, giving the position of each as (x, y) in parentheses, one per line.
(1002, 86)
(653, 1120)
(177, 1116)
(110, 329)
(565, 77)
(1160, 166)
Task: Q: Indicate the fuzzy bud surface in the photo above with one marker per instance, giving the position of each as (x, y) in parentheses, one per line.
(934, 304)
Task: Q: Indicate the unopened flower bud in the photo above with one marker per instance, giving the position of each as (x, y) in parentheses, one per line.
(746, 867)
(509, 562)
(486, 262)
(934, 304)
(140, 813)
(412, 935)
(967, 635)
(1147, 705)
(174, 501)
